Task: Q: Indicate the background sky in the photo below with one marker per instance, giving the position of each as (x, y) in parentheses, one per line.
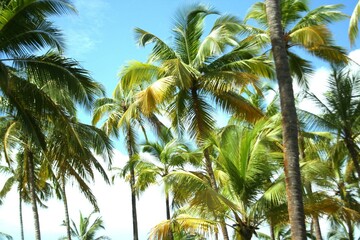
(101, 37)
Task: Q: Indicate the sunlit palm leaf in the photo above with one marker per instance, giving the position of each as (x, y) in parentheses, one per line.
(353, 26)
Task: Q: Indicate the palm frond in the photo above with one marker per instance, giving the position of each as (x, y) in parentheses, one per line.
(353, 25)
(161, 51)
(136, 73)
(188, 31)
(321, 16)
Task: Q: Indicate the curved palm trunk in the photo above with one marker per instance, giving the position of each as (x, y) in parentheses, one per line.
(21, 216)
(66, 208)
(132, 186)
(31, 179)
(289, 122)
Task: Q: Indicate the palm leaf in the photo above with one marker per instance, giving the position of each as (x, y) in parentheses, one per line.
(353, 26)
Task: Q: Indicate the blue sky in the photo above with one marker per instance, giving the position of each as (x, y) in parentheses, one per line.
(101, 37)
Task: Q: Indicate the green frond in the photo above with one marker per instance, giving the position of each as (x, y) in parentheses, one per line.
(67, 73)
(184, 224)
(161, 51)
(311, 36)
(136, 73)
(333, 54)
(102, 107)
(181, 72)
(257, 11)
(301, 69)
(155, 94)
(322, 15)
(353, 30)
(222, 35)
(234, 103)
(188, 30)
(199, 116)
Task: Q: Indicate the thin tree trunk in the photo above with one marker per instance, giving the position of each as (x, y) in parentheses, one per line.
(167, 203)
(351, 146)
(210, 171)
(132, 185)
(350, 229)
(21, 216)
(317, 228)
(30, 163)
(67, 218)
(168, 214)
(272, 231)
(133, 203)
(289, 123)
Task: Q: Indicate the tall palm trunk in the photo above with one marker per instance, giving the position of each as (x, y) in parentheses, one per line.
(317, 229)
(208, 162)
(210, 171)
(289, 122)
(31, 179)
(132, 185)
(350, 229)
(351, 146)
(21, 216)
(66, 208)
(168, 214)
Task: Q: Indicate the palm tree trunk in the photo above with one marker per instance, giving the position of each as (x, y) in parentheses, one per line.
(350, 229)
(167, 204)
(30, 163)
(132, 185)
(133, 203)
(168, 214)
(21, 216)
(67, 218)
(289, 123)
(351, 146)
(210, 171)
(316, 224)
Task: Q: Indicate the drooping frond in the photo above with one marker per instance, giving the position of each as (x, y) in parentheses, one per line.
(321, 16)
(65, 72)
(353, 25)
(222, 35)
(199, 116)
(161, 51)
(135, 73)
(155, 94)
(234, 103)
(184, 224)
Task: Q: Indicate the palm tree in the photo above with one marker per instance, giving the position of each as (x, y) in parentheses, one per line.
(28, 173)
(303, 29)
(86, 230)
(123, 114)
(168, 157)
(74, 158)
(341, 110)
(27, 32)
(245, 164)
(289, 121)
(196, 73)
